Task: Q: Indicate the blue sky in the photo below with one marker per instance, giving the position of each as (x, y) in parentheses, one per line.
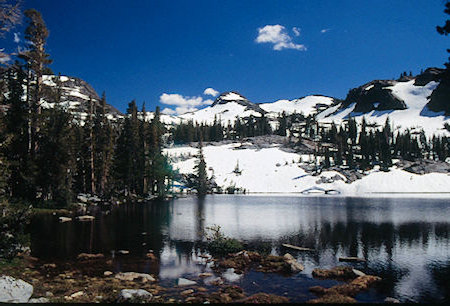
(144, 49)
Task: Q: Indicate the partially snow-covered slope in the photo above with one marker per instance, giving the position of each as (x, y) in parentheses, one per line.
(307, 105)
(417, 115)
(224, 112)
(272, 170)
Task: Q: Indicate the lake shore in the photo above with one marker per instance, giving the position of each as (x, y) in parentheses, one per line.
(88, 280)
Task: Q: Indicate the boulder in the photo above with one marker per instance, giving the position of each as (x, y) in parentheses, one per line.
(14, 290)
(295, 266)
(107, 273)
(131, 276)
(82, 198)
(185, 282)
(391, 300)
(134, 296)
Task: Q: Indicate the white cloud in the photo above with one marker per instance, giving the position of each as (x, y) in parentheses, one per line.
(277, 35)
(296, 31)
(211, 91)
(16, 38)
(183, 104)
(324, 30)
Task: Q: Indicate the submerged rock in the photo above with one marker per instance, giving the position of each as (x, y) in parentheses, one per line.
(344, 293)
(339, 272)
(131, 276)
(333, 299)
(134, 296)
(185, 282)
(14, 290)
(87, 256)
(265, 298)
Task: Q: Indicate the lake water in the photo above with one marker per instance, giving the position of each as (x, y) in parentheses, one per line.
(405, 241)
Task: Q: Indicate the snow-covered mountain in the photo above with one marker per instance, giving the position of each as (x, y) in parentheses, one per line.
(405, 102)
(231, 104)
(75, 97)
(226, 108)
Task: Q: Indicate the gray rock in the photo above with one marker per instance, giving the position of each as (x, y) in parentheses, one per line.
(85, 218)
(14, 290)
(131, 276)
(39, 300)
(64, 219)
(134, 295)
(295, 266)
(82, 198)
(358, 273)
(391, 300)
(185, 282)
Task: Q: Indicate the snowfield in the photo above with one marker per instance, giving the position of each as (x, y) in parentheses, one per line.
(271, 170)
(307, 105)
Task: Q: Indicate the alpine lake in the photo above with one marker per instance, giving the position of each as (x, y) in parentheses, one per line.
(405, 241)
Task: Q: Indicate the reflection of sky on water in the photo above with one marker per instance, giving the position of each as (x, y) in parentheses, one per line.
(405, 241)
(396, 236)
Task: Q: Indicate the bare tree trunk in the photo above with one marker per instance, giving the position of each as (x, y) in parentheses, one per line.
(91, 148)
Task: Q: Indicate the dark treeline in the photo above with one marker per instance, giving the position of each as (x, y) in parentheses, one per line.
(48, 157)
(241, 128)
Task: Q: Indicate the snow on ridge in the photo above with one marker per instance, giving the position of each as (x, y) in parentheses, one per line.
(231, 96)
(307, 105)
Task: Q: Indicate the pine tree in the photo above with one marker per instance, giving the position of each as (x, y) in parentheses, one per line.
(201, 184)
(21, 167)
(36, 60)
(103, 148)
(127, 152)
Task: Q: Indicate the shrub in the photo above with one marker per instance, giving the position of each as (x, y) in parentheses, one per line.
(12, 230)
(219, 244)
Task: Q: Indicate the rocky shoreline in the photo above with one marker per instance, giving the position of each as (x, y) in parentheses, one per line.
(89, 279)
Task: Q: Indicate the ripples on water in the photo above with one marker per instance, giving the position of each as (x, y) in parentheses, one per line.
(405, 241)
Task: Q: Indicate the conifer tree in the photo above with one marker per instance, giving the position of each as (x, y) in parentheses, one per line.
(104, 146)
(201, 184)
(36, 60)
(21, 166)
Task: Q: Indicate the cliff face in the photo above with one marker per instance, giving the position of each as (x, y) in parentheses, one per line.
(374, 96)
(76, 95)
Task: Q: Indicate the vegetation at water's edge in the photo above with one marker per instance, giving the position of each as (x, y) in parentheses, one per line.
(219, 244)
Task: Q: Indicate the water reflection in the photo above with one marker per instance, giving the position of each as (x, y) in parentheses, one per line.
(405, 241)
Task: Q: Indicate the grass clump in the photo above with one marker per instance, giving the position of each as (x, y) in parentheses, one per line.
(219, 244)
